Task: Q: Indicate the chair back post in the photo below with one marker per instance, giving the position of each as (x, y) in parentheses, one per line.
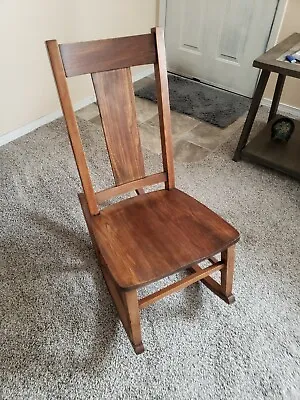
(162, 94)
(73, 131)
(109, 61)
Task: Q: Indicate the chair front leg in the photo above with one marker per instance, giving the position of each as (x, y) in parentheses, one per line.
(228, 257)
(130, 299)
(126, 301)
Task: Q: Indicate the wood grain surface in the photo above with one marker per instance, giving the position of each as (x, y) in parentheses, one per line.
(151, 236)
(109, 54)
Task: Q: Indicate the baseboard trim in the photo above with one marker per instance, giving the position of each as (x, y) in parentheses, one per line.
(31, 126)
(283, 108)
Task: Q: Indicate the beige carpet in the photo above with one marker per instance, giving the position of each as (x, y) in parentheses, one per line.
(60, 337)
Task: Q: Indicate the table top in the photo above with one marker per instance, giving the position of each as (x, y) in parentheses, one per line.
(271, 60)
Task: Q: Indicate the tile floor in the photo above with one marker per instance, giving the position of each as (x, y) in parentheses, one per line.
(193, 140)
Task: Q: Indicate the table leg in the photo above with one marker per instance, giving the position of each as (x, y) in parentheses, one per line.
(277, 96)
(259, 91)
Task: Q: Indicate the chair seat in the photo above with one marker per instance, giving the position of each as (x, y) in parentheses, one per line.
(151, 236)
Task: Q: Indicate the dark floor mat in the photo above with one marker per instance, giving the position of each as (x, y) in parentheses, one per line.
(209, 104)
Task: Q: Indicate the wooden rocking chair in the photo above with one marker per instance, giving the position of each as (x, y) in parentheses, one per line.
(153, 235)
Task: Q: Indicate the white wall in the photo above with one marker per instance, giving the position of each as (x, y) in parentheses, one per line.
(290, 24)
(27, 87)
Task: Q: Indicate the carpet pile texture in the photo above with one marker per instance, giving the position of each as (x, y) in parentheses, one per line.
(206, 103)
(60, 337)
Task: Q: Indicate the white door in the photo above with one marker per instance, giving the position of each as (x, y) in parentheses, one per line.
(216, 41)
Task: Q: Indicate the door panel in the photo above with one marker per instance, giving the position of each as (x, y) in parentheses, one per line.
(233, 32)
(217, 41)
(191, 25)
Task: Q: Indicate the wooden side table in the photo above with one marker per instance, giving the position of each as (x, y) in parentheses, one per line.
(262, 150)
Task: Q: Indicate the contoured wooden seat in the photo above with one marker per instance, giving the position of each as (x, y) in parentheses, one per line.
(156, 234)
(152, 235)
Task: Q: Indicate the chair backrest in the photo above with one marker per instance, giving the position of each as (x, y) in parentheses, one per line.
(109, 61)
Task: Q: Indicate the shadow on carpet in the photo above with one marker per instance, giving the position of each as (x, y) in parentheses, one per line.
(215, 106)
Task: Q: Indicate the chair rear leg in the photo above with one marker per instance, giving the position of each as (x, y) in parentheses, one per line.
(228, 257)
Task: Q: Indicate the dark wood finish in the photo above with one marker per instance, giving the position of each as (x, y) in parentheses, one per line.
(127, 306)
(126, 303)
(163, 231)
(216, 288)
(261, 149)
(213, 260)
(118, 300)
(224, 291)
(269, 60)
(264, 77)
(142, 191)
(110, 54)
(162, 94)
(88, 219)
(124, 306)
(282, 157)
(277, 96)
(73, 131)
(183, 283)
(136, 185)
(132, 306)
(115, 97)
(227, 258)
(152, 235)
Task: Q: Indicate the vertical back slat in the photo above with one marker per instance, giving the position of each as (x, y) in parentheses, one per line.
(162, 91)
(73, 131)
(115, 96)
